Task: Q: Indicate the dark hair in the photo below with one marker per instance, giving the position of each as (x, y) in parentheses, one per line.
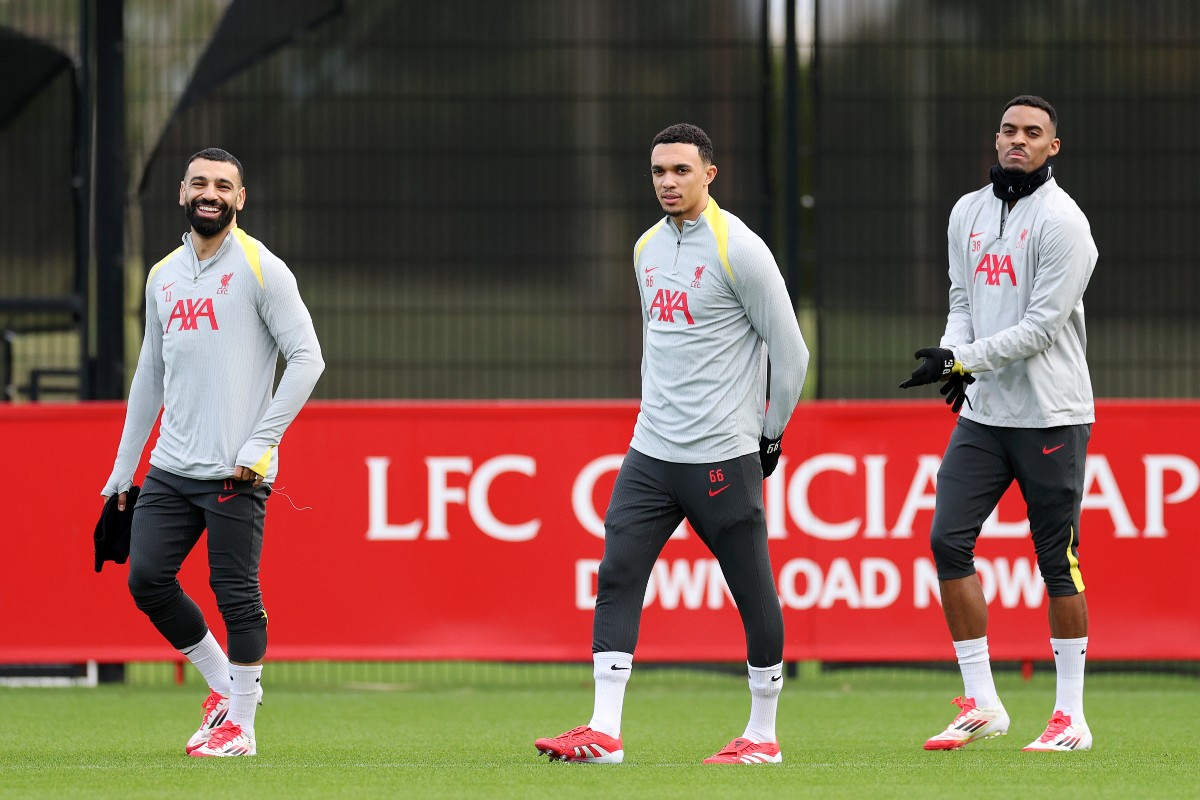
(217, 154)
(1036, 102)
(685, 133)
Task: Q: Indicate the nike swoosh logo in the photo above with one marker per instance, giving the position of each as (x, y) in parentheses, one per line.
(711, 493)
(615, 667)
(650, 269)
(776, 678)
(981, 233)
(225, 497)
(1048, 450)
(168, 286)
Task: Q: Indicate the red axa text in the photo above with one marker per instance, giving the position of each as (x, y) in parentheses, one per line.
(668, 302)
(189, 313)
(993, 266)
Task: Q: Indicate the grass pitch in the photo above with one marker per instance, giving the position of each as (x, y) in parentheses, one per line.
(462, 730)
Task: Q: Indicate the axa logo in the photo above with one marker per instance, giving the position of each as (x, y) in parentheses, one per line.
(668, 302)
(993, 266)
(189, 313)
(225, 283)
(699, 274)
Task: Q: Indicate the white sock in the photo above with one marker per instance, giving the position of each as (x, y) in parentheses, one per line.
(243, 700)
(976, 667)
(765, 685)
(210, 659)
(611, 671)
(1069, 658)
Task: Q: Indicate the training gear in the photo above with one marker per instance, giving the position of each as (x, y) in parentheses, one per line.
(980, 463)
(971, 725)
(216, 712)
(765, 685)
(711, 294)
(216, 708)
(723, 501)
(769, 451)
(1070, 658)
(611, 671)
(218, 327)
(955, 391)
(744, 751)
(582, 745)
(227, 740)
(937, 363)
(110, 540)
(172, 514)
(975, 664)
(1062, 736)
(1026, 344)
(210, 659)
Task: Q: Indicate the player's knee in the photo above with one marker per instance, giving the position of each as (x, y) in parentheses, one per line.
(612, 576)
(248, 647)
(954, 555)
(247, 636)
(150, 590)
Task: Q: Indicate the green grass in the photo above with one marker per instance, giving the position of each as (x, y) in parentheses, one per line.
(467, 730)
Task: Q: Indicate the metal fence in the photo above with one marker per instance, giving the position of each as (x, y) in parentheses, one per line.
(458, 185)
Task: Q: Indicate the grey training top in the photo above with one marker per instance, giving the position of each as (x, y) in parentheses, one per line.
(214, 331)
(713, 305)
(1016, 307)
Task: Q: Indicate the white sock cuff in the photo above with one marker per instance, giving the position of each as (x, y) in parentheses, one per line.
(766, 680)
(244, 672)
(1081, 642)
(971, 650)
(612, 665)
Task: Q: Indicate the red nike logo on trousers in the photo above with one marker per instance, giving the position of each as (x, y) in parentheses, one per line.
(711, 493)
(1048, 450)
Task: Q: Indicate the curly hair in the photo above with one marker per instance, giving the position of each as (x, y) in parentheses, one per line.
(686, 133)
(217, 154)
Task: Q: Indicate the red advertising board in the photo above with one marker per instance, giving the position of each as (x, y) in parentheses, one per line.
(473, 530)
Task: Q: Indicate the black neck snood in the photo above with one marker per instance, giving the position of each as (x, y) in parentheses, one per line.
(1015, 185)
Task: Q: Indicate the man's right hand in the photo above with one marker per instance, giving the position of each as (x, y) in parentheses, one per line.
(121, 501)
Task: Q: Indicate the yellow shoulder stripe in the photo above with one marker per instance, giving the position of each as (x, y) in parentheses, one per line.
(720, 229)
(642, 242)
(250, 248)
(157, 266)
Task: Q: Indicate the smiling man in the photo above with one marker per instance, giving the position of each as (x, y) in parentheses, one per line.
(713, 306)
(1021, 256)
(219, 311)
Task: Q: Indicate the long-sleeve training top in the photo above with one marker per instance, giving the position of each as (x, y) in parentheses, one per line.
(214, 331)
(713, 306)
(1016, 307)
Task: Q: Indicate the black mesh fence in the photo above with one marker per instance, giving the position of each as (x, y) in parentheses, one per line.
(458, 185)
(909, 96)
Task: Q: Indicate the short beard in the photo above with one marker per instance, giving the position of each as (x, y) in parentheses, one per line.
(206, 227)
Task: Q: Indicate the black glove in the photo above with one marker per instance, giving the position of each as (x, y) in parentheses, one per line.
(938, 363)
(111, 537)
(955, 390)
(768, 453)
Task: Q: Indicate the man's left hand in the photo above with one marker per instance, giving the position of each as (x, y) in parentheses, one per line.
(768, 452)
(247, 474)
(937, 364)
